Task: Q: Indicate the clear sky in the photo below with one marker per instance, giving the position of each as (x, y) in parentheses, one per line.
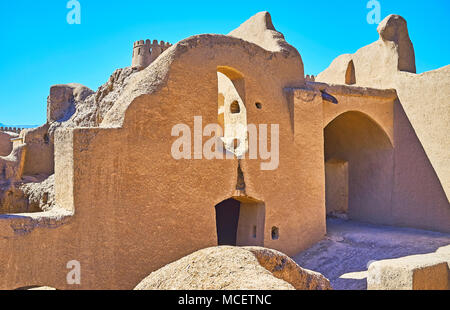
(38, 48)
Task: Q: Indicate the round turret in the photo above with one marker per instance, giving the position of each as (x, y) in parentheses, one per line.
(145, 52)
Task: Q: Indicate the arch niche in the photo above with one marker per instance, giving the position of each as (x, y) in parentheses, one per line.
(359, 162)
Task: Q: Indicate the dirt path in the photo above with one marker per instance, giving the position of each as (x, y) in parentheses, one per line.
(350, 246)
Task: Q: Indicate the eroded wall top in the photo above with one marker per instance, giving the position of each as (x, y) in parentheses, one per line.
(256, 41)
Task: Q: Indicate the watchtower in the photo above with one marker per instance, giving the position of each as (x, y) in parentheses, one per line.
(145, 52)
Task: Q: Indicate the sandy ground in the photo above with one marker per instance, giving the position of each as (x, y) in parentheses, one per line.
(344, 255)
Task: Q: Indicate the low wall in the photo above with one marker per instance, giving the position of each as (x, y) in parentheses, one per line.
(416, 272)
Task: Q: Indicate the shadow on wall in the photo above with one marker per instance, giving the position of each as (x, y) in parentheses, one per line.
(419, 199)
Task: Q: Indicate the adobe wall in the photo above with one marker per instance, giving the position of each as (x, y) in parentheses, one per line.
(336, 194)
(358, 128)
(5, 143)
(129, 194)
(421, 189)
(198, 67)
(126, 207)
(415, 272)
(39, 158)
(419, 198)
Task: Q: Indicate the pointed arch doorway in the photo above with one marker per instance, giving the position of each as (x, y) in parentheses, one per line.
(359, 168)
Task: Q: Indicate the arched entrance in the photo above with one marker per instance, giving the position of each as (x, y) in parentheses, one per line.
(359, 166)
(240, 222)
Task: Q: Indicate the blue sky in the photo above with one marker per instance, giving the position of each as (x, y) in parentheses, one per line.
(38, 48)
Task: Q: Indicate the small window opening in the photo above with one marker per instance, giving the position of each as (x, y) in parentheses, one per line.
(275, 233)
(258, 105)
(254, 231)
(235, 108)
(350, 76)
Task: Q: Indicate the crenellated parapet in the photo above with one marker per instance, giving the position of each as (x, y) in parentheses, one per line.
(145, 52)
(11, 129)
(310, 78)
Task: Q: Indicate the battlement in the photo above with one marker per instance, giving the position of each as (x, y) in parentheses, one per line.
(310, 78)
(149, 43)
(145, 52)
(11, 129)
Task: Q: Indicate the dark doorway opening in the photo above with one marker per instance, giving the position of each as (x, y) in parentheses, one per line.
(240, 222)
(227, 221)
